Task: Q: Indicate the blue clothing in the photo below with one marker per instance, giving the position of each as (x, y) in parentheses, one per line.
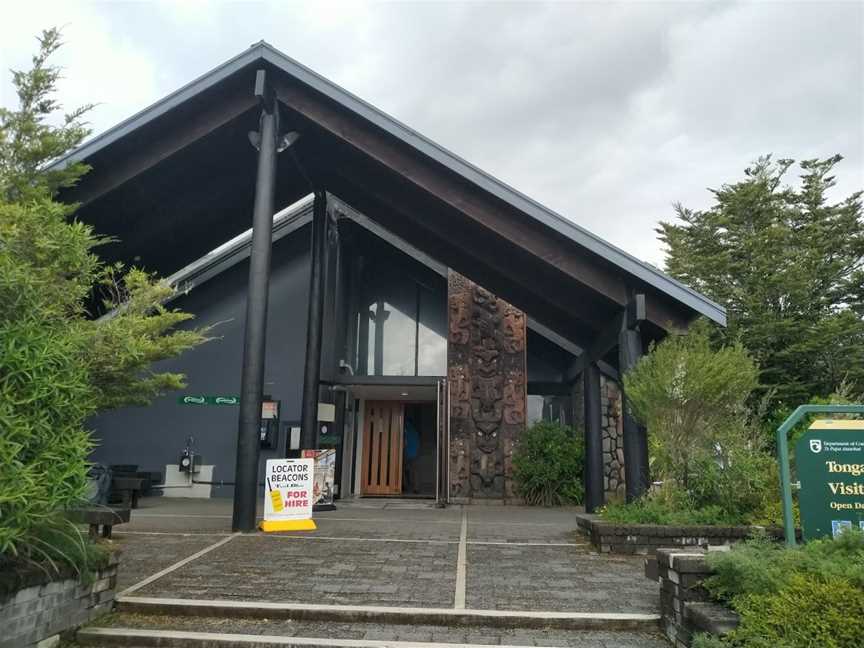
(412, 440)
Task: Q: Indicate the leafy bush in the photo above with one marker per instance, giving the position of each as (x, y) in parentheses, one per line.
(59, 365)
(760, 566)
(704, 446)
(547, 465)
(703, 640)
(811, 595)
(666, 504)
(803, 613)
(44, 390)
(690, 397)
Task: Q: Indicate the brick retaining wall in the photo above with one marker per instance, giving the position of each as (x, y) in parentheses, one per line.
(39, 612)
(684, 604)
(646, 539)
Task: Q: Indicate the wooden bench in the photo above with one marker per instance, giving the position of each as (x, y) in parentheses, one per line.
(106, 516)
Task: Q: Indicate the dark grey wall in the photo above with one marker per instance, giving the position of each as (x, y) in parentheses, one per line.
(546, 361)
(154, 436)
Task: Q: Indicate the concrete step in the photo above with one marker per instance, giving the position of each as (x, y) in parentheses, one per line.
(140, 631)
(441, 617)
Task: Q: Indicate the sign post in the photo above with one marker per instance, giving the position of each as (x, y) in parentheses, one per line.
(783, 457)
(288, 495)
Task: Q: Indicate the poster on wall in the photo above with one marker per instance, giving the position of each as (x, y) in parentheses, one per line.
(288, 495)
(325, 475)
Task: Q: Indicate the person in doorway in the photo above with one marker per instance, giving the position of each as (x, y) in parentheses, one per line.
(412, 448)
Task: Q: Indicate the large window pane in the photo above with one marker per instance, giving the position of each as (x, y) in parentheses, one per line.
(553, 408)
(432, 333)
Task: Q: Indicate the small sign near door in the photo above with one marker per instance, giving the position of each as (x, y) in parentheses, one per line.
(325, 475)
(288, 495)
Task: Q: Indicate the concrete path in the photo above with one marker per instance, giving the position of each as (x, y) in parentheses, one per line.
(384, 553)
(385, 557)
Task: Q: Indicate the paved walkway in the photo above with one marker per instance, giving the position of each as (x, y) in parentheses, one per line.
(386, 553)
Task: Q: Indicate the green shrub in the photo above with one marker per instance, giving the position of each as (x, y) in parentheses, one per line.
(812, 595)
(742, 482)
(667, 504)
(547, 465)
(59, 365)
(703, 640)
(44, 392)
(802, 614)
(690, 397)
(703, 443)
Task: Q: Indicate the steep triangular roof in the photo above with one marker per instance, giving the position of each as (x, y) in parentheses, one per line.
(405, 180)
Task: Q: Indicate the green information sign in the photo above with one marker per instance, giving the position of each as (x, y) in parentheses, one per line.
(830, 462)
(195, 399)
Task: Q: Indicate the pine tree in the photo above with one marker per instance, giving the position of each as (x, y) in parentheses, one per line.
(787, 264)
(117, 351)
(59, 364)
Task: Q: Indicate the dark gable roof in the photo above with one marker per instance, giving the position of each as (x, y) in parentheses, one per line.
(264, 52)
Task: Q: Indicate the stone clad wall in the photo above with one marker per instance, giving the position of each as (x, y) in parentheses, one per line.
(39, 612)
(612, 423)
(486, 369)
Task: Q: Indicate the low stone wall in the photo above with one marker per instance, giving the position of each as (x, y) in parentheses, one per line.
(646, 539)
(38, 612)
(684, 605)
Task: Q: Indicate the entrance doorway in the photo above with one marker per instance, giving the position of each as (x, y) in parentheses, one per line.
(399, 449)
(383, 430)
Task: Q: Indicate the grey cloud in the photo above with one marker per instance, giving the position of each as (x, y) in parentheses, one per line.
(606, 112)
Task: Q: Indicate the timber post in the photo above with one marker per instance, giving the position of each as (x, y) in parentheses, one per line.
(635, 436)
(314, 324)
(593, 470)
(255, 336)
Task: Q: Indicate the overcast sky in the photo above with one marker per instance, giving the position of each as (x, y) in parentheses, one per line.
(605, 112)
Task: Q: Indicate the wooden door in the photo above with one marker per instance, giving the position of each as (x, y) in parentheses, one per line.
(382, 448)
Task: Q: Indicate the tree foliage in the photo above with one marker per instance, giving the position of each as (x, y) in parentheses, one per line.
(787, 264)
(690, 396)
(704, 444)
(59, 364)
(548, 465)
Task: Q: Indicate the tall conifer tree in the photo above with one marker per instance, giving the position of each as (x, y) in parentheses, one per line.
(786, 261)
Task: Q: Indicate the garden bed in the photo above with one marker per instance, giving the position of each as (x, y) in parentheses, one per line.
(646, 539)
(35, 606)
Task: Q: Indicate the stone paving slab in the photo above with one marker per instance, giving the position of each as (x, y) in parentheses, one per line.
(392, 632)
(571, 579)
(285, 569)
(363, 566)
(143, 555)
(541, 534)
(428, 529)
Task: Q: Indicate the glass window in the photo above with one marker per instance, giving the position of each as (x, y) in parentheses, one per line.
(401, 326)
(432, 333)
(556, 409)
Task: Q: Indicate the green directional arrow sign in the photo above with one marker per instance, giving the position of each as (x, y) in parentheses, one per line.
(204, 399)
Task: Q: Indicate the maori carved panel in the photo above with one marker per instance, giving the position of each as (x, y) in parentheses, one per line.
(487, 376)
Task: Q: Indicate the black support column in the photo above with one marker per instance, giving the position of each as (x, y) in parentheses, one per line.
(593, 475)
(635, 436)
(252, 378)
(314, 323)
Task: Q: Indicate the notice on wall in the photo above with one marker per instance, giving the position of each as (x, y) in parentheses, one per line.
(288, 489)
(830, 462)
(325, 475)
